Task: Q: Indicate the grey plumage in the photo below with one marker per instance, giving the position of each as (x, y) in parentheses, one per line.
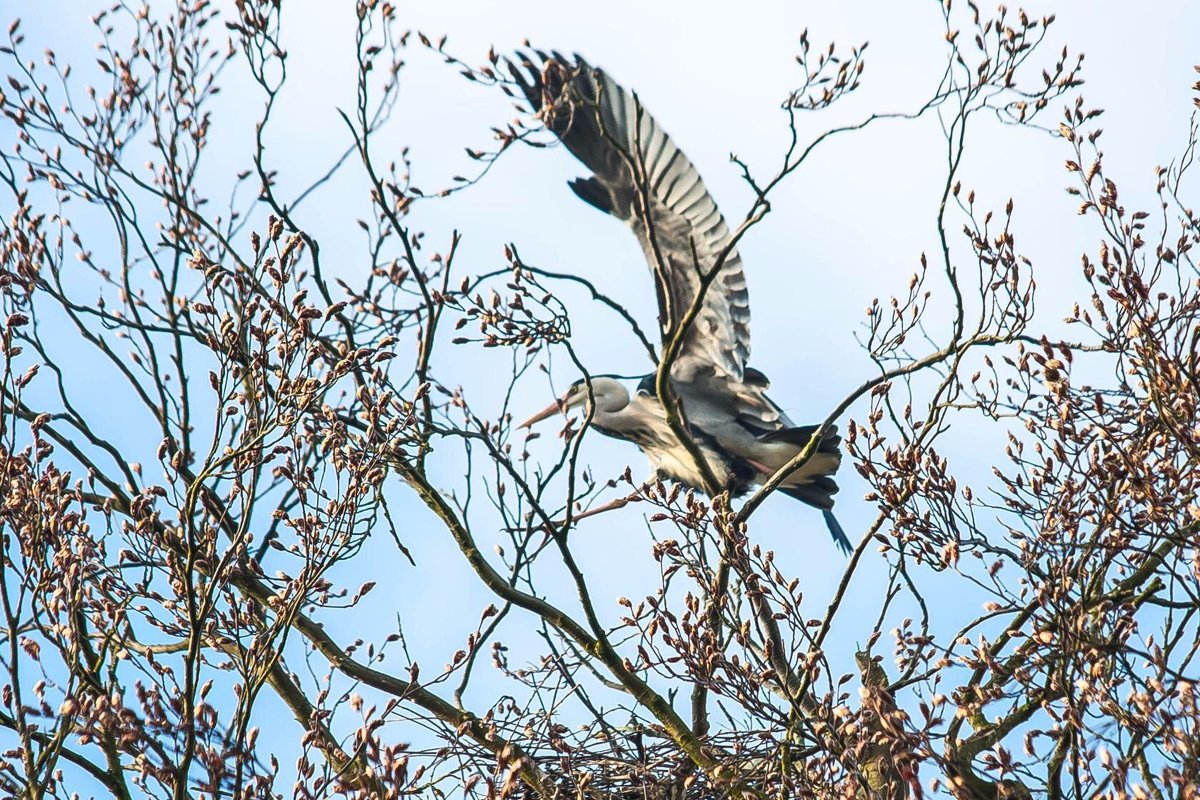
(607, 129)
(639, 174)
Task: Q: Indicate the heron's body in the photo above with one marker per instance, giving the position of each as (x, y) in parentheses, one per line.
(642, 178)
(737, 454)
(641, 419)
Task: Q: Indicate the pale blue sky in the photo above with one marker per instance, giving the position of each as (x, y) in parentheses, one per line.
(849, 225)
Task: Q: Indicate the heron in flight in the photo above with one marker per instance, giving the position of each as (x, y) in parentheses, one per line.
(642, 178)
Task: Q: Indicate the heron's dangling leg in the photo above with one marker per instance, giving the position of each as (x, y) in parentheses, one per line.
(761, 467)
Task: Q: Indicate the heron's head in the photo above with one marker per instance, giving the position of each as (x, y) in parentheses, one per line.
(610, 397)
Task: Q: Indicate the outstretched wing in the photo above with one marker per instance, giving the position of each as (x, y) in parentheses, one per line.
(641, 177)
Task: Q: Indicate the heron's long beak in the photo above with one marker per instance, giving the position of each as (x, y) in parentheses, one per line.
(548, 411)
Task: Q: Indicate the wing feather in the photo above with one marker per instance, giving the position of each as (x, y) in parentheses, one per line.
(608, 129)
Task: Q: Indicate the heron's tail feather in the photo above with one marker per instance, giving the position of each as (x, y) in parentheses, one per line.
(819, 493)
(839, 535)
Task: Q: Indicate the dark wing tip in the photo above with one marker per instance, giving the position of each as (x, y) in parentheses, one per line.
(530, 69)
(544, 79)
(755, 377)
(542, 76)
(527, 77)
(592, 192)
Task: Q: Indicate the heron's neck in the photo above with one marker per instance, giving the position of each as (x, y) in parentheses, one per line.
(640, 415)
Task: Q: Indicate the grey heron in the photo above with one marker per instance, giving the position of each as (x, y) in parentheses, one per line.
(642, 178)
